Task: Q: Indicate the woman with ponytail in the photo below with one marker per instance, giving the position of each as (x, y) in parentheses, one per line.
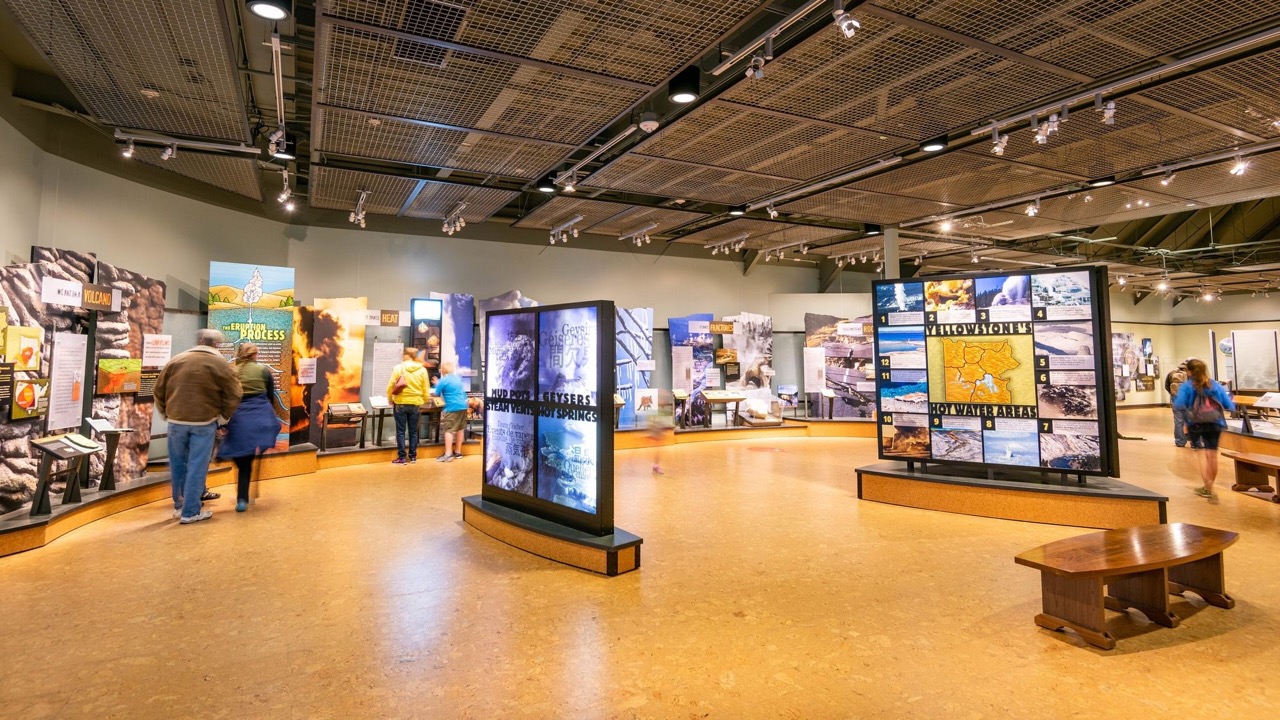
(1204, 403)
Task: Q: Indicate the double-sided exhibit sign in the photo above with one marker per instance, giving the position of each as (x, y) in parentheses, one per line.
(996, 370)
(549, 387)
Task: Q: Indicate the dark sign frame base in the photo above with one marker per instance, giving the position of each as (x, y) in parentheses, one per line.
(613, 554)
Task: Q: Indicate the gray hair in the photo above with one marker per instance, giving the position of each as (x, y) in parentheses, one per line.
(208, 337)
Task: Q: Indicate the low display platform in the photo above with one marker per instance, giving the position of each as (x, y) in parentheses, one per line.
(1264, 438)
(1104, 503)
(608, 555)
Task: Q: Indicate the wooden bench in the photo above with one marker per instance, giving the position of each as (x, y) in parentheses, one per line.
(1138, 566)
(1254, 471)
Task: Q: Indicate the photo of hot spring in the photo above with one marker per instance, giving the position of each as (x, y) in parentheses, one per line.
(905, 442)
(959, 445)
(1011, 448)
(1060, 289)
(1071, 452)
(904, 397)
(1068, 401)
(1064, 338)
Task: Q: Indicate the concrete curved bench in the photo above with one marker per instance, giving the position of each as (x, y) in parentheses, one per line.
(1138, 566)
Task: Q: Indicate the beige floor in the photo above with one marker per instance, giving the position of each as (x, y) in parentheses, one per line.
(768, 590)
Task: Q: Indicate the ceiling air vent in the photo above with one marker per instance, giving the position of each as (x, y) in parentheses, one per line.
(430, 19)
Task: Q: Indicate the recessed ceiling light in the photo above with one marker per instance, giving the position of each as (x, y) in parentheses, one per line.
(685, 86)
(934, 145)
(1102, 182)
(739, 210)
(547, 184)
(270, 9)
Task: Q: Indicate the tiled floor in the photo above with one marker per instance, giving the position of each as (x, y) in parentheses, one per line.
(768, 590)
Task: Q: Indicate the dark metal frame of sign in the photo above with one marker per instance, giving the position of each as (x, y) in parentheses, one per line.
(1099, 316)
(601, 522)
(420, 339)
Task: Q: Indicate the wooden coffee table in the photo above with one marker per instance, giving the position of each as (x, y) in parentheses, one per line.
(1139, 567)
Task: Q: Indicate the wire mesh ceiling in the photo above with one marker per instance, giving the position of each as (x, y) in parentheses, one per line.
(234, 174)
(605, 218)
(336, 189)
(437, 201)
(143, 64)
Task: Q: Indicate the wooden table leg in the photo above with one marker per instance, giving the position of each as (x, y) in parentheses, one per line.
(1075, 603)
(1146, 592)
(1251, 477)
(1205, 578)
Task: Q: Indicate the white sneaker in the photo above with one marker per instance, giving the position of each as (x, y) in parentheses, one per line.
(203, 515)
(177, 513)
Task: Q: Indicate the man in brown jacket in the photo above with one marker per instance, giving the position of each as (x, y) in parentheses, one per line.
(195, 391)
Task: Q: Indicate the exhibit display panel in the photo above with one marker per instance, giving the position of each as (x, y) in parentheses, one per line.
(1256, 366)
(997, 370)
(549, 412)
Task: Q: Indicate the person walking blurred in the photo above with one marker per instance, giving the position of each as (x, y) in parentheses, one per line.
(196, 390)
(1172, 383)
(1204, 403)
(254, 427)
(453, 418)
(407, 389)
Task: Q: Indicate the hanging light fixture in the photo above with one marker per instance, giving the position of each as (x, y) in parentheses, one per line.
(845, 23)
(128, 149)
(1240, 166)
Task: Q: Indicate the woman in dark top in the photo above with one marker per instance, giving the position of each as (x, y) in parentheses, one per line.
(254, 426)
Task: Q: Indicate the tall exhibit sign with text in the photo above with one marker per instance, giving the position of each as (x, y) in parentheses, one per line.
(548, 440)
(1004, 370)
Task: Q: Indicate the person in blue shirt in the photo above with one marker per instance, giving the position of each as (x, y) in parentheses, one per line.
(1203, 435)
(454, 416)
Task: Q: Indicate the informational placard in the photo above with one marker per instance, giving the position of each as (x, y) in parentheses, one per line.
(549, 406)
(815, 369)
(77, 294)
(999, 370)
(713, 377)
(66, 380)
(1257, 360)
(682, 368)
(306, 371)
(385, 358)
(156, 350)
(721, 327)
(100, 425)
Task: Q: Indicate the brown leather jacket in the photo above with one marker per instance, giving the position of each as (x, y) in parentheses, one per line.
(197, 387)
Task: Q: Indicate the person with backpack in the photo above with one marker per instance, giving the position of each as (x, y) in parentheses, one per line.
(407, 389)
(254, 427)
(1205, 403)
(1172, 383)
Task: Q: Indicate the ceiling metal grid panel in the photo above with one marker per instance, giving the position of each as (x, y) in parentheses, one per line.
(336, 189)
(894, 80)
(794, 234)
(561, 209)
(907, 247)
(633, 218)
(1212, 185)
(1015, 225)
(437, 200)
(962, 178)
(112, 51)
(638, 40)
(354, 134)
(362, 72)
(234, 174)
(755, 229)
(1141, 137)
(1109, 204)
(844, 204)
(740, 138)
(1242, 95)
(655, 176)
(1091, 37)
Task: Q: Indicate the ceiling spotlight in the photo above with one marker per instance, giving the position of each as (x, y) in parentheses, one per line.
(128, 149)
(1122, 280)
(286, 148)
(1042, 133)
(946, 226)
(773, 214)
(873, 231)
(1128, 206)
(804, 249)
(1109, 113)
(844, 21)
(974, 258)
(169, 151)
(1054, 124)
(1207, 296)
(1240, 166)
(571, 183)
(289, 206)
(685, 86)
(738, 210)
(1102, 182)
(1163, 285)
(755, 71)
(1169, 175)
(547, 184)
(1033, 209)
(768, 257)
(998, 142)
(919, 259)
(357, 215)
(1088, 198)
(649, 121)
(934, 145)
(863, 258)
(270, 9)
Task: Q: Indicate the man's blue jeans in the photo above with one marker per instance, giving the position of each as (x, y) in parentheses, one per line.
(1179, 420)
(407, 422)
(190, 447)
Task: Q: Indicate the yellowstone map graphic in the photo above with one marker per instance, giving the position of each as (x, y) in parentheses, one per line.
(992, 370)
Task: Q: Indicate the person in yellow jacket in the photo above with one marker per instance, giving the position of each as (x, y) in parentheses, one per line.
(408, 390)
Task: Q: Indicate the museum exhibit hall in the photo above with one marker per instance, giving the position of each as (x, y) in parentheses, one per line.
(640, 359)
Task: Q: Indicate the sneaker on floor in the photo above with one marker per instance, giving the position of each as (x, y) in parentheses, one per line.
(399, 461)
(413, 460)
(445, 458)
(1202, 492)
(457, 455)
(657, 470)
(202, 515)
(242, 505)
(177, 513)
(208, 495)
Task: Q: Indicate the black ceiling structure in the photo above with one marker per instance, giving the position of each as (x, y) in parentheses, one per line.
(994, 134)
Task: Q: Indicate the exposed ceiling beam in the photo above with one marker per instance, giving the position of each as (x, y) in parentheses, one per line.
(749, 260)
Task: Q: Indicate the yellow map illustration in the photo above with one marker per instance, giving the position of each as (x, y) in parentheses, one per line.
(975, 371)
